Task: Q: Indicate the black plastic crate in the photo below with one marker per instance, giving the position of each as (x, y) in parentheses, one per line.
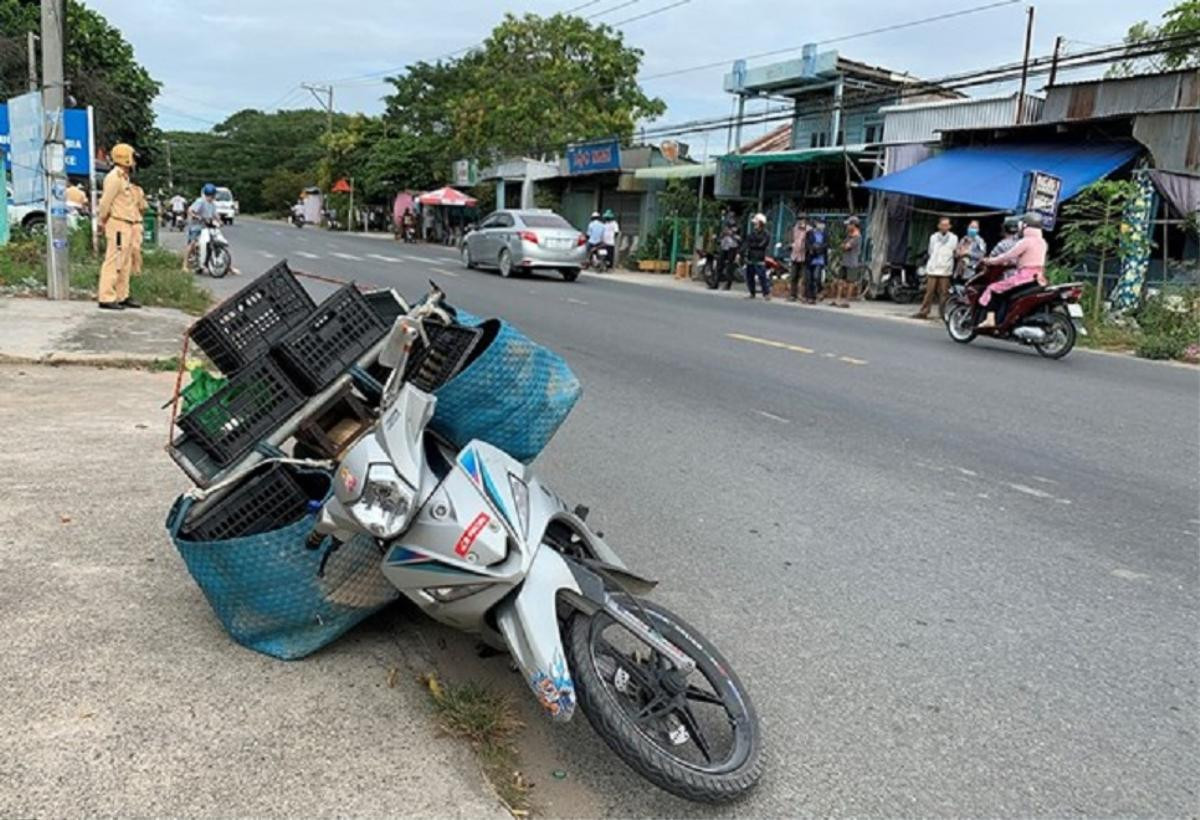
(385, 305)
(266, 500)
(256, 400)
(335, 336)
(244, 326)
(450, 346)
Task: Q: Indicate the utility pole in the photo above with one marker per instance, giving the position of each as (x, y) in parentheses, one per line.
(170, 176)
(326, 103)
(1054, 61)
(31, 54)
(53, 151)
(1025, 68)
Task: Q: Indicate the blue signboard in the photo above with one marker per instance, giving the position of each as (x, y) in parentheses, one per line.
(594, 158)
(75, 128)
(25, 148)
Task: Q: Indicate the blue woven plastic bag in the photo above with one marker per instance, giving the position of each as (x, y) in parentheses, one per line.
(514, 395)
(267, 592)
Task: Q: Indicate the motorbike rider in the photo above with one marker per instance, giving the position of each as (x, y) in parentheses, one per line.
(178, 207)
(1029, 256)
(202, 212)
(595, 234)
(754, 251)
(1012, 235)
(298, 212)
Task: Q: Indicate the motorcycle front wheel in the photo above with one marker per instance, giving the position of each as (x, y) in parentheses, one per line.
(960, 322)
(219, 263)
(695, 736)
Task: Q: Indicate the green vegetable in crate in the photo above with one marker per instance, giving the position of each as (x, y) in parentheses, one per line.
(203, 385)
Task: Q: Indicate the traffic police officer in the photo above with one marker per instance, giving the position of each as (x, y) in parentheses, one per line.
(118, 215)
(135, 249)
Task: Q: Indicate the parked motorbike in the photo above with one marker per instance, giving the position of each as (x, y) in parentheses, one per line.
(475, 540)
(1047, 318)
(211, 253)
(597, 259)
(901, 283)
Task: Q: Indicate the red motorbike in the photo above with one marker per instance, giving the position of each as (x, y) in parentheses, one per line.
(1046, 318)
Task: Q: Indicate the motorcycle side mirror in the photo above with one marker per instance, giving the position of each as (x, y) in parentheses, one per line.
(395, 349)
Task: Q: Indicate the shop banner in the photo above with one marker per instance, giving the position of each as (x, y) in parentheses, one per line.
(594, 158)
(1042, 192)
(25, 148)
(728, 182)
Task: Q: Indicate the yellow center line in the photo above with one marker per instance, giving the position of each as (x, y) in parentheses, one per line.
(741, 337)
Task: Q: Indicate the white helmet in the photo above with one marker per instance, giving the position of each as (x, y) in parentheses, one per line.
(760, 218)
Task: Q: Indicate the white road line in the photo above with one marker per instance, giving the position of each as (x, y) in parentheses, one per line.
(347, 256)
(383, 258)
(772, 416)
(1021, 488)
(267, 254)
(307, 255)
(424, 260)
(574, 301)
(444, 272)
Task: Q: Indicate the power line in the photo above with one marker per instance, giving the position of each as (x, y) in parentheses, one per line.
(652, 12)
(617, 7)
(844, 38)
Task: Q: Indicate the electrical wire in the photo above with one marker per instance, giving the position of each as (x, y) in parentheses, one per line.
(652, 12)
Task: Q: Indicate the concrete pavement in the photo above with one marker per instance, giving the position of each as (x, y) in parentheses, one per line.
(122, 695)
(958, 580)
(39, 330)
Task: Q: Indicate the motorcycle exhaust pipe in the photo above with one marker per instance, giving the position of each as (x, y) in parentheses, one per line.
(1030, 334)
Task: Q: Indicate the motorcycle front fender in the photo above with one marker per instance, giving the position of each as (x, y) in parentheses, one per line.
(529, 623)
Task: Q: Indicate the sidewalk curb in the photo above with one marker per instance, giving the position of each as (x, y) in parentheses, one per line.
(56, 359)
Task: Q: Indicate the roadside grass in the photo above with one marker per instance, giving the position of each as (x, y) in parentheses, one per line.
(160, 284)
(488, 721)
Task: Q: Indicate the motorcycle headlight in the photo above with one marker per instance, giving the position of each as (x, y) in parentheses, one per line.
(386, 503)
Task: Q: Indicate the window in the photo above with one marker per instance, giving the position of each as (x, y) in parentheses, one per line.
(503, 221)
(546, 221)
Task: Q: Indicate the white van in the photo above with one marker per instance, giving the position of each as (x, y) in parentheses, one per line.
(227, 207)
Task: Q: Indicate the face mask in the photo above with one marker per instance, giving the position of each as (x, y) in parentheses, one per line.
(972, 232)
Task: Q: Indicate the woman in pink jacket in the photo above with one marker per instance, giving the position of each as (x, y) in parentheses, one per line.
(1029, 257)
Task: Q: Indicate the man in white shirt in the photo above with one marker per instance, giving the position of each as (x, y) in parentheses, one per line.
(611, 230)
(938, 267)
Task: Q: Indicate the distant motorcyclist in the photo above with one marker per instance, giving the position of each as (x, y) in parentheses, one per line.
(595, 233)
(202, 212)
(178, 206)
(1029, 256)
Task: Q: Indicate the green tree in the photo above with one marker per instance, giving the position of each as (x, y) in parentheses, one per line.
(1182, 20)
(1092, 227)
(281, 188)
(575, 81)
(100, 69)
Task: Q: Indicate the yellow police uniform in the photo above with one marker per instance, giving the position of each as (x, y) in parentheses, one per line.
(119, 214)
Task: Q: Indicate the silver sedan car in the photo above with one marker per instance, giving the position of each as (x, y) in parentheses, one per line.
(512, 241)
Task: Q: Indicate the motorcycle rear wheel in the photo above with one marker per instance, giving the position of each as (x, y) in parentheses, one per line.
(666, 727)
(1062, 331)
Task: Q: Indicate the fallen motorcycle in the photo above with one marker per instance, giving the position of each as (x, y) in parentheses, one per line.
(1047, 318)
(472, 537)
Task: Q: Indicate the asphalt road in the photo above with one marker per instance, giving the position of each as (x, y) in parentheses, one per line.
(957, 580)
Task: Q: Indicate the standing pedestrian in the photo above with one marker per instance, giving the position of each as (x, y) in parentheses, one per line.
(816, 247)
(117, 212)
(799, 240)
(970, 252)
(754, 251)
(938, 267)
(611, 231)
(730, 242)
(851, 272)
(139, 229)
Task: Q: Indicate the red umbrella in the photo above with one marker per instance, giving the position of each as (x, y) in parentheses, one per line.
(447, 196)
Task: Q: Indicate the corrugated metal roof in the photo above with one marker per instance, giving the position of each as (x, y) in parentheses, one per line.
(1124, 95)
(778, 140)
(1173, 139)
(925, 121)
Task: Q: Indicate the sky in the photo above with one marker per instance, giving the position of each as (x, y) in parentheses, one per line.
(220, 56)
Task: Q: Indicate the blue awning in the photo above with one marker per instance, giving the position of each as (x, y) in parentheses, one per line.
(991, 176)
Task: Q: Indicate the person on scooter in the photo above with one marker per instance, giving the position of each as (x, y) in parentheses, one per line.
(1029, 256)
(595, 234)
(1012, 235)
(178, 210)
(202, 212)
(754, 251)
